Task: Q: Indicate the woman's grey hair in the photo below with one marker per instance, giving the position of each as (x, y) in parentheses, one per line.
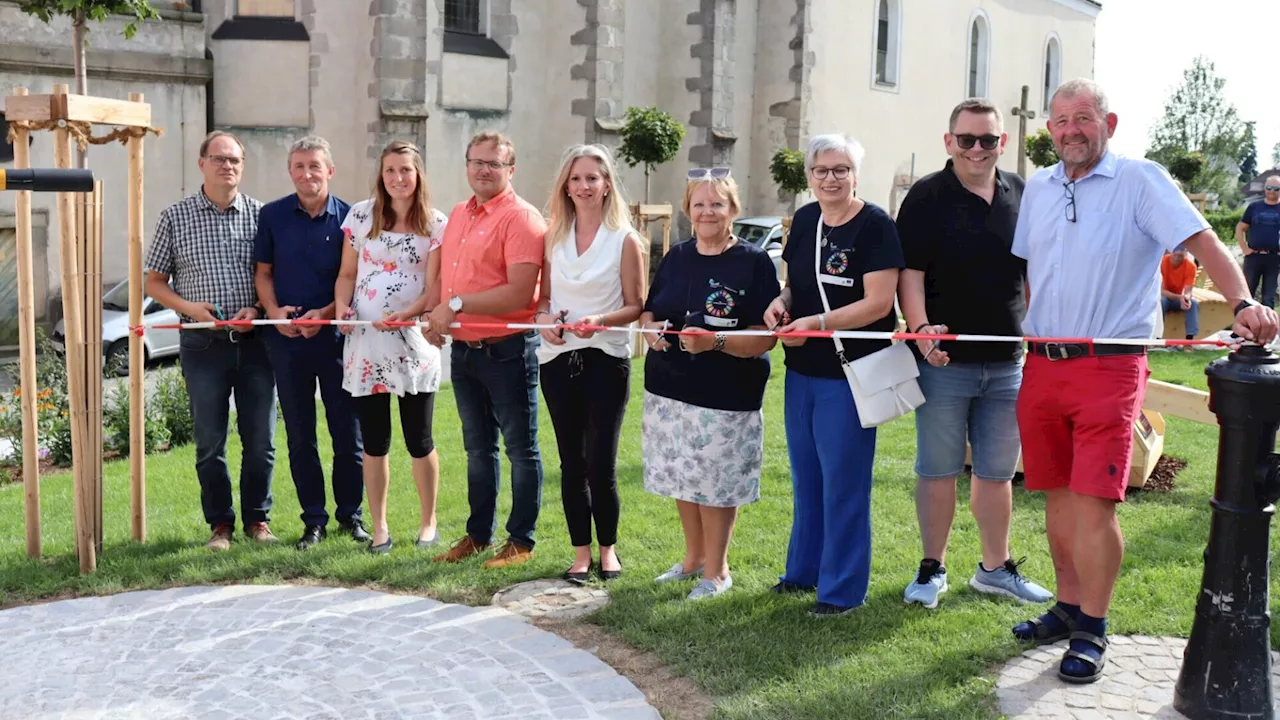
(1083, 86)
(309, 143)
(834, 142)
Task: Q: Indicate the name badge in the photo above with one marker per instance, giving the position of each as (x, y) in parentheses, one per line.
(836, 280)
(720, 322)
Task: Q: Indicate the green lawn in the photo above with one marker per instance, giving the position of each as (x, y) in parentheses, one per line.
(759, 655)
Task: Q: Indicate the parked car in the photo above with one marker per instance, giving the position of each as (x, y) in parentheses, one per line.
(115, 330)
(764, 231)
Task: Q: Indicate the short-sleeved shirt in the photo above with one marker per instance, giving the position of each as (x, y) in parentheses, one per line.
(305, 253)
(1175, 279)
(720, 293)
(1098, 277)
(973, 284)
(867, 243)
(1264, 225)
(480, 242)
(207, 251)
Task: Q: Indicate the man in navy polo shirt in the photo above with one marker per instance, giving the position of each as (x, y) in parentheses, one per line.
(299, 251)
(1261, 224)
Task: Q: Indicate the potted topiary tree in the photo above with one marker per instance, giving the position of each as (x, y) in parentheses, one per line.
(650, 137)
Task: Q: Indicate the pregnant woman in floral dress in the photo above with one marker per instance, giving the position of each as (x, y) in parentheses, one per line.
(389, 268)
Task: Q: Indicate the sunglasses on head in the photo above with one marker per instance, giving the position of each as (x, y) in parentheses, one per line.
(989, 142)
(715, 172)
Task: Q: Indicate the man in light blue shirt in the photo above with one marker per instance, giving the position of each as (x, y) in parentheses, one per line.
(1093, 230)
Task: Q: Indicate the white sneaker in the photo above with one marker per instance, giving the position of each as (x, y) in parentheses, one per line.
(1006, 581)
(677, 573)
(708, 588)
(930, 582)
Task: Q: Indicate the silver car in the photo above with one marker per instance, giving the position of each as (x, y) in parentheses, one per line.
(764, 232)
(115, 330)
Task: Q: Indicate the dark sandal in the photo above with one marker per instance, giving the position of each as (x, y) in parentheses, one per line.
(1040, 633)
(1097, 665)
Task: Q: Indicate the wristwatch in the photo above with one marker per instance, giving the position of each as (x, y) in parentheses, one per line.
(1244, 304)
(455, 304)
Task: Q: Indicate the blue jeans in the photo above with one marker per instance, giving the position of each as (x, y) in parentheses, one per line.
(977, 402)
(831, 458)
(300, 363)
(1264, 268)
(496, 387)
(1193, 315)
(214, 368)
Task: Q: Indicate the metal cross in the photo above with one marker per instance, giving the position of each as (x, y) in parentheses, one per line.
(1023, 114)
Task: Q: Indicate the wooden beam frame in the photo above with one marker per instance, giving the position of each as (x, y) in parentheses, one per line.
(77, 108)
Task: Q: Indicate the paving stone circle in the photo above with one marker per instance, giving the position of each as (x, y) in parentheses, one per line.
(551, 599)
(260, 651)
(1137, 682)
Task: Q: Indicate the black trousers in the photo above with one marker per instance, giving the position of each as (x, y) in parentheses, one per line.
(586, 393)
(416, 410)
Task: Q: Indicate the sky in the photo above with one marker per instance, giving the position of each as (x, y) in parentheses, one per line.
(1143, 47)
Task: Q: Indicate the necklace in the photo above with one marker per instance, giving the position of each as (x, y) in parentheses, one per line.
(822, 223)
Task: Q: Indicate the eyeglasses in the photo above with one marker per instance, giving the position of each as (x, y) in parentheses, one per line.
(493, 165)
(224, 161)
(967, 141)
(1272, 188)
(1071, 199)
(840, 172)
(715, 172)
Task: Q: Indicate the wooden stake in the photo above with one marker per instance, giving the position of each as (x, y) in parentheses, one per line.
(137, 397)
(74, 324)
(27, 347)
(93, 354)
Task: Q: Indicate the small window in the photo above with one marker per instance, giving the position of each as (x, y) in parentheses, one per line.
(888, 33)
(1052, 68)
(466, 16)
(6, 147)
(264, 8)
(979, 55)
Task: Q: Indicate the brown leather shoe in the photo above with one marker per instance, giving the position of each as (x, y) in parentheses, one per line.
(460, 550)
(221, 538)
(260, 533)
(510, 554)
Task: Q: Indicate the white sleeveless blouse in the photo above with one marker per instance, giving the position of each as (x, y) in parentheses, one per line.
(590, 284)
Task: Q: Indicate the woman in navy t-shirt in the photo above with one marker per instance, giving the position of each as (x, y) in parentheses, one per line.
(703, 431)
(849, 248)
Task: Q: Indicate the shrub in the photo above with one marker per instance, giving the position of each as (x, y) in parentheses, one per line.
(174, 406)
(1224, 224)
(1040, 149)
(59, 442)
(49, 405)
(115, 424)
(787, 168)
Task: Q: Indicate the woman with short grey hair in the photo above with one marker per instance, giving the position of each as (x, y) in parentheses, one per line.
(843, 260)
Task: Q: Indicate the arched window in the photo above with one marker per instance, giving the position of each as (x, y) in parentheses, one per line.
(887, 42)
(1052, 67)
(979, 44)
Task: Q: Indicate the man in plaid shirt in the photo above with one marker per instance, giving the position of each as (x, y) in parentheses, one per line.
(205, 244)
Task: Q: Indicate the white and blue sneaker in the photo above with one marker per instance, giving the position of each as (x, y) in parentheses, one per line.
(710, 588)
(930, 582)
(1008, 582)
(677, 572)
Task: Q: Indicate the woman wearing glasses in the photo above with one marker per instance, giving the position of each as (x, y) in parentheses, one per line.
(843, 259)
(593, 275)
(703, 433)
(389, 270)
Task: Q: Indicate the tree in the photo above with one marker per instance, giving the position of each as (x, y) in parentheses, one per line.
(650, 137)
(1249, 153)
(1040, 149)
(82, 11)
(1185, 167)
(787, 168)
(1275, 155)
(1198, 118)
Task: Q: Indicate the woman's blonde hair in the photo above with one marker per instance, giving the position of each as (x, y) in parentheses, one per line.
(383, 215)
(725, 186)
(616, 215)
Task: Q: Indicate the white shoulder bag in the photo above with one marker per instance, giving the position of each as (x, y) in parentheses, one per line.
(883, 383)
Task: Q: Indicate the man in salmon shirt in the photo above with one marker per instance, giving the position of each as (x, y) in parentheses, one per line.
(1177, 277)
(490, 261)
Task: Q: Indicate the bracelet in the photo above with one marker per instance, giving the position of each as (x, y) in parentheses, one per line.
(822, 321)
(720, 340)
(917, 330)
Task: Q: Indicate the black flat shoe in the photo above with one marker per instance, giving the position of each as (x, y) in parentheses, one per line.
(311, 535)
(611, 574)
(355, 528)
(382, 549)
(579, 578)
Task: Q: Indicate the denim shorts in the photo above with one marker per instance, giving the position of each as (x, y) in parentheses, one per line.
(977, 402)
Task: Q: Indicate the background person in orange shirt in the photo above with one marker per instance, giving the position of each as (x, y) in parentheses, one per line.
(489, 266)
(1177, 277)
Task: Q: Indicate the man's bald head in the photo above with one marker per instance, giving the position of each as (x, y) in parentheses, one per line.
(1272, 188)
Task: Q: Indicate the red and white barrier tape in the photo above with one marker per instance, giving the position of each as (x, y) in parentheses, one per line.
(843, 334)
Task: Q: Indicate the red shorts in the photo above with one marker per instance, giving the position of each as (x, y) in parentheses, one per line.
(1076, 419)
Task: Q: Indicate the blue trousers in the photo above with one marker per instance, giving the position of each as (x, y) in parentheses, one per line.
(496, 388)
(831, 458)
(299, 363)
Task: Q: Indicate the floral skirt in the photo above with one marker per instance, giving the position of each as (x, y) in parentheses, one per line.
(704, 456)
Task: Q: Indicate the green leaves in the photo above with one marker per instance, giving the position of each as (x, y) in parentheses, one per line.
(650, 137)
(1040, 149)
(95, 10)
(787, 168)
(1199, 119)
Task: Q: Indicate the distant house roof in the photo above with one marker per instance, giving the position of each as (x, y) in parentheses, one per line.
(1253, 188)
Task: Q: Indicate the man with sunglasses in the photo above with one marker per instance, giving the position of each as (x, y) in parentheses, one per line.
(1093, 230)
(1260, 225)
(957, 228)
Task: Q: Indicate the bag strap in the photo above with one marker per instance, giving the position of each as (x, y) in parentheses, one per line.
(817, 276)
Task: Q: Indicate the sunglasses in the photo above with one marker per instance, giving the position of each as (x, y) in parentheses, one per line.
(715, 172)
(1272, 187)
(989, 142)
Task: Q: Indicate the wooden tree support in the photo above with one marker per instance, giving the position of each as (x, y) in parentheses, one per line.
(641, 215)
(80, 223)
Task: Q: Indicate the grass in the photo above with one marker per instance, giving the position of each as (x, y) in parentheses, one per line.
(759, 655)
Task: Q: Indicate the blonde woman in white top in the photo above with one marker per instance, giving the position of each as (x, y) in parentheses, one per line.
(593, 276)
